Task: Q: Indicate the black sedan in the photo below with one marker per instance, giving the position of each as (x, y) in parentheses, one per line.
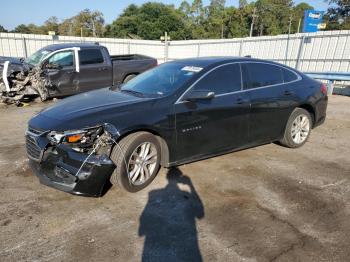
(176, 113)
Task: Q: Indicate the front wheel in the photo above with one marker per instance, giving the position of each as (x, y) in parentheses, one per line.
(137, 160)
(298, 128)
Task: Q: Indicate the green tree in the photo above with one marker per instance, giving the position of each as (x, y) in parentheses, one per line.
(298, 16)
(242, 3)
(237, 21)
(273, 16)
(150, 21)
(338, 15)
(185, 9)
(2, 29)
(216, 17)
(51, 24)
(22, 29)
(86, 23)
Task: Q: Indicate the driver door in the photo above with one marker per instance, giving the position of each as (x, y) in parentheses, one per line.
(213, 125)
(61, 71)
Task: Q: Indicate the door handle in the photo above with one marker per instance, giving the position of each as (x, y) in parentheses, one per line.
(70, 72)
(242, 101)
(102, 69)
(288, 93)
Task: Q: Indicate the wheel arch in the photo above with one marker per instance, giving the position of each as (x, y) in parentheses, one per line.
(129, 74)
(164, 161)
(311, 111)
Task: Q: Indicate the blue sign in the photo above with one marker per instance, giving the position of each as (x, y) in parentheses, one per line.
(312, 19)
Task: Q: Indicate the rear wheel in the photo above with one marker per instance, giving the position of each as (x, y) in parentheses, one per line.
(298, 128)
(137, 160)
(128, 78)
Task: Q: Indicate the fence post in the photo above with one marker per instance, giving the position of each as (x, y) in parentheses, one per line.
(25, 47)
(198, 49)
(166, 49)
(300, 52)
(129, 47)
(241, 47)
(287, 51)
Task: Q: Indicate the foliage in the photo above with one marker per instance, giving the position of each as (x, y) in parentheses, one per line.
(2, 29)
(150, 21)
(338, 15)
(86, 23)
(298, 16)
(193, 20)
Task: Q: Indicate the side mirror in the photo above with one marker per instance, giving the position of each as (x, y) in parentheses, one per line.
(199, 95)
(53, 66)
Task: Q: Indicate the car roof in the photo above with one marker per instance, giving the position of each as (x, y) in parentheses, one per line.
(210, 61)
(55, 47)
(213, 60)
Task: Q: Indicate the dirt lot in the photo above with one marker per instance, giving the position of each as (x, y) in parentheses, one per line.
(263, 204)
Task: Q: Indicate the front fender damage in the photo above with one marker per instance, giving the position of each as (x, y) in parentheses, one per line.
(73, 168)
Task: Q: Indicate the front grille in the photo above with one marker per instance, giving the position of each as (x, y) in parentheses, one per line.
(35, 131)
(33, 150)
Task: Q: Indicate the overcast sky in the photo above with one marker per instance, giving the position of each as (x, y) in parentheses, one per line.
(15, 12)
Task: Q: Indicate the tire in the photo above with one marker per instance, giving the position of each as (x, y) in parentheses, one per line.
(125, 154)
(128, 78)
(291, 140)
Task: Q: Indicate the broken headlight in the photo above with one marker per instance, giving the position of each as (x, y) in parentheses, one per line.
(83, 138)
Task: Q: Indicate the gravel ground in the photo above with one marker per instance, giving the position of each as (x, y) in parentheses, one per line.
(262, 204)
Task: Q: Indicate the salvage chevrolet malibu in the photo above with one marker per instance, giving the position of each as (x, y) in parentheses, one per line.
(176, 113)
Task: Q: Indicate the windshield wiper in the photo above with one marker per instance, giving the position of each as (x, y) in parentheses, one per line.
(136, 93)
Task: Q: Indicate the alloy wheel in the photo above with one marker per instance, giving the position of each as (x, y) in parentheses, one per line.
(300, 129)
(142, 163)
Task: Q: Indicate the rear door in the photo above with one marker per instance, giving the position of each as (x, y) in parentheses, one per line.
(270, 102)
(211, 126)
(95, 69)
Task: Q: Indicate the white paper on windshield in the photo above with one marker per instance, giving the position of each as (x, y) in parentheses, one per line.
(194, 69)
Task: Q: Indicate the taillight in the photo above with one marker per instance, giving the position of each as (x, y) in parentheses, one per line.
(324, 89)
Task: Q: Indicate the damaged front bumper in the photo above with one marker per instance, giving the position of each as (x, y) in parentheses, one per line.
(65, 169)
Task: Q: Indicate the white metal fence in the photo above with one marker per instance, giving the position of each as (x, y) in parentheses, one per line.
(322, 51)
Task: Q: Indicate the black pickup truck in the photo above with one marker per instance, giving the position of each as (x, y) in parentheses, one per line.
(67, 69)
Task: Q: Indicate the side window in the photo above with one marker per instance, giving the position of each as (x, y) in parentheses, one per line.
(289, 76)
(63, 59)
(224, 79)
(259, 74)
(90, 56)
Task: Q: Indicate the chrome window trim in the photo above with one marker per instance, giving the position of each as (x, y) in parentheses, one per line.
(179, 101)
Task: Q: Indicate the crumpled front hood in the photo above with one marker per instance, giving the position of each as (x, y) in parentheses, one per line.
(13, 60)
(86, 110)
(16, 65)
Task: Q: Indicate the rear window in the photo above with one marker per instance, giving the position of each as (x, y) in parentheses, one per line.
(259, 75)
(289, 76)
(90, 56)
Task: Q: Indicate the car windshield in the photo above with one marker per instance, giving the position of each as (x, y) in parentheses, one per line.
(162, 80)
(37, 57)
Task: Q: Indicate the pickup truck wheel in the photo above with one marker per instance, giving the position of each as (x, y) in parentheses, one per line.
(137, 160)
(128, 78)
(298, 129)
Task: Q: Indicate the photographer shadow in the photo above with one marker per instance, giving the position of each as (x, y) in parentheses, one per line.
(168, 221)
